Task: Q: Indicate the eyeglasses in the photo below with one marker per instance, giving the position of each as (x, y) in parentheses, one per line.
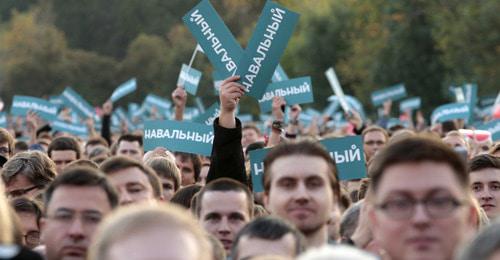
(4, 150)
(32, 238)
(21, 192)
(404, 208)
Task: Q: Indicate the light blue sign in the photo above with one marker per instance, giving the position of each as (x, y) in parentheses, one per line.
(214, 37)
(199, 104)
(410, 104)
(123, 117)
(56, 100)
(124, 89)
(470, 94)
(179, 136)
(450, 112)
(133, 109)
(209, 116)
(217, 82)
(269, 40)
(78, 104)
(493, 127)
(487, 101)
(347, 152)
(22, 104)
(245, 118)
(74, 129)
(391, 93)
(295, 91)
(279, 74)
(331, 108)
(158, 102)
(189, 78)
(3, 120)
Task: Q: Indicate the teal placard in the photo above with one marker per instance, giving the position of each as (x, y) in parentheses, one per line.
(279, 74)
(78, 104)
(74, 129)
(22, 104)
(295, 91)
(245, 118)
(214, 37)
(450, 112)
(3, 120)
(347, 152)
(132, 109)
(487, 101)
(191, 113)
(124, 89)
(179, 136)
(410, 104)
(189, 78)
(470, 94)
(269, 40)
(257, 168)
(56, 100)
(393, 93)
(209, 116)
(199, 104)
(331, 108)
(161, 104)
(493, 127)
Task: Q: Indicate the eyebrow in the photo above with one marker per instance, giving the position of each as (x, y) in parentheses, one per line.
(212, 215)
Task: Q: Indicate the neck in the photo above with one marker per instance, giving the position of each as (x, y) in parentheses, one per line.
(318, 238)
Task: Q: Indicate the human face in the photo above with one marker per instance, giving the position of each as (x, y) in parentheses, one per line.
(421, 236)
(455, 141)
(132, 184)
(130, 149)
(30, 229)
(372, 142)
(168, 188)
(301, 192)
(157, 242)
(62, 158)
(249, 136)
(223, 214)
(249, 247)
(72, 218)
(4, 150)
(186, 167)
(485, 184)
(20, 185)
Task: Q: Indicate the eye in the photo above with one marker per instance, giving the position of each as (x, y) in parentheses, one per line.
(287, 183)
(495, 186)
(313, 183)
(477, 187)
(398, 204)
(135, 189)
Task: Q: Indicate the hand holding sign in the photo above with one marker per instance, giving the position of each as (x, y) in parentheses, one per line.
(179, 97)
(229, 96)
(107, 108)
(278, 108)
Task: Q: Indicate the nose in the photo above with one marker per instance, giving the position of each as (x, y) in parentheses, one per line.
(301, 194)
(223, 227)
(486, 195)
(76, 229)
(420, 217)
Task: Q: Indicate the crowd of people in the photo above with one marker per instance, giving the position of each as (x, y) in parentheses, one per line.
(432, 192)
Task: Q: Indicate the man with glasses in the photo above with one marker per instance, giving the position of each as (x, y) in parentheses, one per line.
(29, 213)
(27, 174)
(75, 202)
(420, 203)
(374, 139)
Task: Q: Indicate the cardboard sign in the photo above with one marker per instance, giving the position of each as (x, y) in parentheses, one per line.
(269, 40)
(295, 91)
(178, 136)
(493, 127)
(74, 129)
(124, 89)
(279, 74)
(449, 112)
(189, 78)
(391, 93)
(410, 104)
(78, 104)
(347, 152)
(22, 104)
(214, 37)
(209, 116)
(337, 89)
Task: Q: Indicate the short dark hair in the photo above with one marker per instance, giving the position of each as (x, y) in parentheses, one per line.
(196, 162)
(483, 161)
(21, 146)
(225, 185)
(82, 177)
(64, 143)
(416, 149)
(96, 140)
(307, 148)
(25, 205)
(184, 196)
(130, 138)
(268, 228)
(118, 163)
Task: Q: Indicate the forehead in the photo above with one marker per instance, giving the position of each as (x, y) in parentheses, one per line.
(128, 145)
(128, 175)
(418, 179)
(57, 154)
(375, 134)
(79, 199)
(224, 202)
(485, 175)
(299, 167)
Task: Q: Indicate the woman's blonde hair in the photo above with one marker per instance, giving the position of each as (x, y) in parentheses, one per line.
(6, 221)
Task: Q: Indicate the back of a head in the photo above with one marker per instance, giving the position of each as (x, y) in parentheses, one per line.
(485, 245)
(183, 197)
(34, 165)
(65, 143)
(416, 150)
(269, 228)
(341, 252)
(129, 221)
(82, 177)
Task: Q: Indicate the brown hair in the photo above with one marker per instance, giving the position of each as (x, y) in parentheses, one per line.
(165, 168)
(6, 137)
(35, 165)
(64, 143)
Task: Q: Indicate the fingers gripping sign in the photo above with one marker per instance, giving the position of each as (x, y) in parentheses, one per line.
(229, 96)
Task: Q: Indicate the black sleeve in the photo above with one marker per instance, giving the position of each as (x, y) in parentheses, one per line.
(359, 131)
(227, 158)
(105, 129)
